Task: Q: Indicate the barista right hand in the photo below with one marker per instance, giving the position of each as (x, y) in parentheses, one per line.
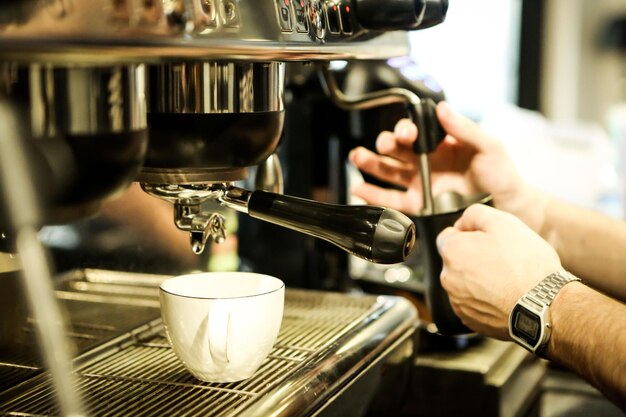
(467, 161)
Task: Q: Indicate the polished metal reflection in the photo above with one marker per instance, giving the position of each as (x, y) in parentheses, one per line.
(87, 100)
(184, 176)
(189, 215)
(106, 31)
(269, 175)
(326, 341)
(217, 87)
(185, 193)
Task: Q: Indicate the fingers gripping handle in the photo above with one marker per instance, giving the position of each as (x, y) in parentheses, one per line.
(218, 323)
(421, 111)
(430, 131)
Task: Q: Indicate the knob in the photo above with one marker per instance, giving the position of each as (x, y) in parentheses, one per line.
(434, 13)
(400, 14)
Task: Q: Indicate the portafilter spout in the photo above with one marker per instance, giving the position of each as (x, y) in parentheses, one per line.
(376, 234)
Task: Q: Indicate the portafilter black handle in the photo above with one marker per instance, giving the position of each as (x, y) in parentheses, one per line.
(378, 234)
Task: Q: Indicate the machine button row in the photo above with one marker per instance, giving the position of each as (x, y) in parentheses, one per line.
(335, 15)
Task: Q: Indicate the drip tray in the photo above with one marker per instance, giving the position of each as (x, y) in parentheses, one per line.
(99, 305)
(326, 342)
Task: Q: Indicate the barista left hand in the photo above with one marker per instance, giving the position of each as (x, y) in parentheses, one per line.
(468, 160)
(490, 260)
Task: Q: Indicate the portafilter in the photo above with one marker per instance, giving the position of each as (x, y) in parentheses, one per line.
(209, 122)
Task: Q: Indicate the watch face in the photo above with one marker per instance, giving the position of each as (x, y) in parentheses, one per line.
(526, 325)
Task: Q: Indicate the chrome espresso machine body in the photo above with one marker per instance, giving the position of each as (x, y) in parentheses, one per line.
(184, 96)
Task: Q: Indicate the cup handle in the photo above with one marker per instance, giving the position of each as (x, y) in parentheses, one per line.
(218, 321)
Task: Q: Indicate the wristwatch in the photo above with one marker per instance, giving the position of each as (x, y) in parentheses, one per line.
(529, 321)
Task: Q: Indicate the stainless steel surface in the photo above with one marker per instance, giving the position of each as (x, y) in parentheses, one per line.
(217, 87)
(200, 225)
(326, 339)
(99, 308)
(158, 31)
(376, 99)
(186, 176)
(236, 199)
(269, 175)
(191, 194)
(189, 215)
(428, 200)
(87, 100)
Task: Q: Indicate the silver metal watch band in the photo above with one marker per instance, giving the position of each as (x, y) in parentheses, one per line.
(543, 293)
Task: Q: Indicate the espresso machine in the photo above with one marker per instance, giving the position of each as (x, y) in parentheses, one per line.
(184, 97)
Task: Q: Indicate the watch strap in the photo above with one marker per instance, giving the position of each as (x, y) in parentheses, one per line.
(537, 301)
(544, 292)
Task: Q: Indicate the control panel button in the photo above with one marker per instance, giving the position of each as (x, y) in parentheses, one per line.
(302, 24)
(345, 13)
(332, 13)
(283, 9)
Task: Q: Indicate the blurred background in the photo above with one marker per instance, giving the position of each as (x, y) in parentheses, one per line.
(548, 77)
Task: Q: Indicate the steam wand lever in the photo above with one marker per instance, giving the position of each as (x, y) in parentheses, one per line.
(421, 112)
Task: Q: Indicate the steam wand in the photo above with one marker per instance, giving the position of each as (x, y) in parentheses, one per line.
(421, 112)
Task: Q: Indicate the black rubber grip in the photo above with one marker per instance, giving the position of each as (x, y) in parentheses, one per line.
(377, 234)
(430, 131)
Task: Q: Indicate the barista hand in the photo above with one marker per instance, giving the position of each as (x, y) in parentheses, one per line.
(490, 260)
(467, 161)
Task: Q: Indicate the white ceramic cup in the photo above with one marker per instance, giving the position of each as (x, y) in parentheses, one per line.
(222, 325)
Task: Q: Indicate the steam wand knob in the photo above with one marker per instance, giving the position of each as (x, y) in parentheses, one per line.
(400, 14)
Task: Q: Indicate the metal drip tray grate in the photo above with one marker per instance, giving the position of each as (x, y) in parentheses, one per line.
(324, 338)
(17, 368)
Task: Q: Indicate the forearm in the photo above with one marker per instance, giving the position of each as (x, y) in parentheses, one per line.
(589, 336)
(590, 245)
